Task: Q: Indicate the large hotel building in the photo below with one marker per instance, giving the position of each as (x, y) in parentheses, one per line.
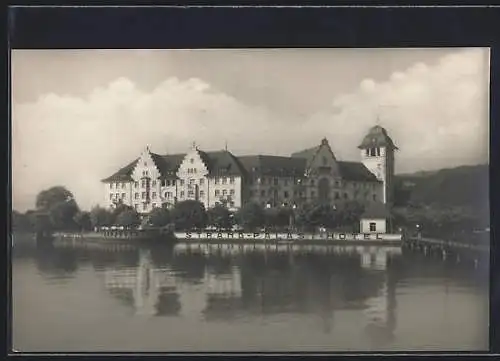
(221, 177)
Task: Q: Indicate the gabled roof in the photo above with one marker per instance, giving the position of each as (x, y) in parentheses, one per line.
(222, 163)
(355, 171)
(376, 210)
(270, 165)
(123, 174)
(306, 153)
(377, 137)
(218, 163)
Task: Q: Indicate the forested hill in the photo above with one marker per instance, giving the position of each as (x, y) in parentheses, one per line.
(465, 186)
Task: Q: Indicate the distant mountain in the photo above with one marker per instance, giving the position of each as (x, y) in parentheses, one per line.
(465, 186)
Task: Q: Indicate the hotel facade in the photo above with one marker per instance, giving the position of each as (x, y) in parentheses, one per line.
(220, 177)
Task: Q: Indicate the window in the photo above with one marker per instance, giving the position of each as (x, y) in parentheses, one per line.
(202, 194)
(224, 192)
(136, 206)
(367, 152)
(190, 193)
(153, 195)
(231, 180)
(373, 226)
(231, 204)
(182, 182)
(378, 151)
(217, 192)
(224, 180)
(346, 196)
(263, 193)
(372, 152)
(111, 197)
(263, 180)
(136, 184)
(136, 195)
(154, 205)
(313, 194)
(202, 181)
(191, 181)
(216, 180)
(144, 207)
(143, 184)
(275, 181)
(123, 195)
(191, 161)
(117, 195)
(337, 184)
(143, 195)
(173, 182)
(270, 192)
(374, 197)
(285, 194)
(337, 195)
(153, 183)
(231, 192)
(182, 194)
(110, 185)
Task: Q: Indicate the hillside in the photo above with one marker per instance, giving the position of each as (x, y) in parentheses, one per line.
(466, 186)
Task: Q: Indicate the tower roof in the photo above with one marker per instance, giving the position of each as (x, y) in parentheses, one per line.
(377, 137)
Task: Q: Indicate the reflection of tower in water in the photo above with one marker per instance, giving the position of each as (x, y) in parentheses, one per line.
(145, 281)
(380, 311)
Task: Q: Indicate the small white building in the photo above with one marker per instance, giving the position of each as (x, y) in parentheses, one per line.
(374, 219)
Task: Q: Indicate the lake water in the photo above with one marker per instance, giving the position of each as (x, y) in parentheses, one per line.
(166, 300)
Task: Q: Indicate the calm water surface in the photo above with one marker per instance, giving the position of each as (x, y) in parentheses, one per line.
(163, 299)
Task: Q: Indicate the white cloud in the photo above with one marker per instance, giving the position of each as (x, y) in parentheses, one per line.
(439, 118)
(437, 115)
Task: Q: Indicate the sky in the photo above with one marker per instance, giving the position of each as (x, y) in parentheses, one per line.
(79, 115)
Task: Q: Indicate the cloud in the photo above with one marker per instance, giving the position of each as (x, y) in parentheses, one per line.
(437, 115)
(438, 118)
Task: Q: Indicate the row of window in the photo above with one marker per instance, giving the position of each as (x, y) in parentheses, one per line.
(373, 152)
(286, 194)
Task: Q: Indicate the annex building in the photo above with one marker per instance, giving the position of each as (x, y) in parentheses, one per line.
(220, 177)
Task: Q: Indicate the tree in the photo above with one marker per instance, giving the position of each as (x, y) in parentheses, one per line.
(159, 217)
(251, 216)
(349, 213)
(21, 222)
(58, 203)
(46, 199)
(219, 217)
(100, 217)
(314, 215)
(189, 214)
(83, 220)
(128, 218)
(120, 208)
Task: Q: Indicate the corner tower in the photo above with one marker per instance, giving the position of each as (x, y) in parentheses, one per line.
(377, 154)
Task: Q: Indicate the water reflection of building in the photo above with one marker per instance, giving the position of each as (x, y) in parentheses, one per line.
(151, 291)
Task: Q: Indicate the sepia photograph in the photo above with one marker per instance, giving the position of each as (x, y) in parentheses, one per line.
(250, 200)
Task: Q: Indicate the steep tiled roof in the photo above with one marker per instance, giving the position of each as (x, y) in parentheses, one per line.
(376, 210)
(377, 137)
(225, 163)
(306, 153)
(123, 174)
(273, 165)
(222, 163)
(168, 164)
(355, 171)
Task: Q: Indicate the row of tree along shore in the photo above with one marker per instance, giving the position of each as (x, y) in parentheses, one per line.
(57, 211)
